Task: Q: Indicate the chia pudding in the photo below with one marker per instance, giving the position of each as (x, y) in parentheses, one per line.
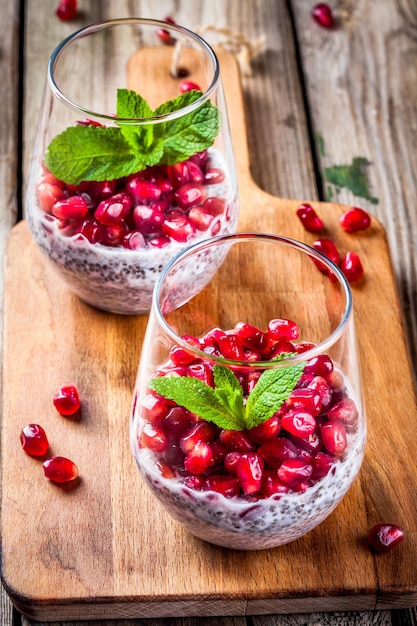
(109, 241)
(256, 488)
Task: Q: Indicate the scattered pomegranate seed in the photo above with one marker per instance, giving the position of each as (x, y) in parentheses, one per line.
(66, 9)
(249, 472)
(71, 208)
(34, 440)
(351, 267)
(294, 471)
(334, 437)
(67, 400)
(355, 219)
(60, 469)
(384, 537)
(328, 248)
(323, 15)
(298, 423)
(309, 218)
(188, 85)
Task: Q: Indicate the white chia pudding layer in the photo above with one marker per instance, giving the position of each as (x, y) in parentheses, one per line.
(118, 279)
(254, 525)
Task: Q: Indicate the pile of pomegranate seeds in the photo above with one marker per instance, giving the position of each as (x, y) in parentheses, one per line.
(323, 15)
(289, 452)
(384, 537)
(148, 209)
(66, 9)
(353, 220)
(35, 442)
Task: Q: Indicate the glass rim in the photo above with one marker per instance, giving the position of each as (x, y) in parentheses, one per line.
(319, 348)
(98, 26)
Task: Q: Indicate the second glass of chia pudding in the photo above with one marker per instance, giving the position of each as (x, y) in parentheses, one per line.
(133, 159)
(248, 422)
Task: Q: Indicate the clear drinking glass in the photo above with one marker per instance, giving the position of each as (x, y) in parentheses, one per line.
(258, 329)
(133, 158)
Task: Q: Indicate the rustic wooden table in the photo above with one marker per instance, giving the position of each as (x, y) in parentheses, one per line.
(331, 115)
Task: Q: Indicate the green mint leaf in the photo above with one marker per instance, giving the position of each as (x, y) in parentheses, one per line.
(270, 392)
(192, 133)
(197, 397)
(230, 393)
(90, 153)
(130, 105)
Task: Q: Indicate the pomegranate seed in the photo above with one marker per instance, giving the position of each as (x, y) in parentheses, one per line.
(345, 411)
(71, 208)
(200, 432)
(91, 229)
(180, 356)
(320, 365)
(310, 443)
(329, 249)
(200, 218)
(114, 235)
(148, 219)
(154, 409)
(34, 440)
(305, 399)
(178, 227)
(215, 205)
(236, 440)
(179, 174)
(153, 438)
(101, 190)
(351, 266)
(194, 482)
(333, 435)
(276, 451)
(202, 372)
(355, 219)
(228, 486)
(298, 423)
(49, 194)
(134, 240)
(294, 471)
(320, 386)
(67, 400)
(199, 458)
(176, 421)
(309, 218)
(165, 36)
(231, 460)
(190, 195)
(266, 431)
(60, 469)
(231, 347)
(164, 469)
(283, 329)
(142, 190)
(159, 242)
(109, 212)
(251, 336)
(323, 15)
(321, 463)
(384, 537)
(188, 85)
(66, 9)
(213, 176)
(272, 485)
(249, 472)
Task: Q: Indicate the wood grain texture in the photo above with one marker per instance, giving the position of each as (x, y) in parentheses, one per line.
(94, 551)
(279, 147)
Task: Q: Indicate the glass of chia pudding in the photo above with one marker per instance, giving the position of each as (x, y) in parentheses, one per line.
(248, 421)
(133, 158)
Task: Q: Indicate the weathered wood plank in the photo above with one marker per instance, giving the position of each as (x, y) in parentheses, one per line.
(362, 89)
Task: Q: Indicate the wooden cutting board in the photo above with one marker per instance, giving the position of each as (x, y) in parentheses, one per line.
(106, 549)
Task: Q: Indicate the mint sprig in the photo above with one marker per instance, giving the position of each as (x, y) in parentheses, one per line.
(97, 153)
(224, 404)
